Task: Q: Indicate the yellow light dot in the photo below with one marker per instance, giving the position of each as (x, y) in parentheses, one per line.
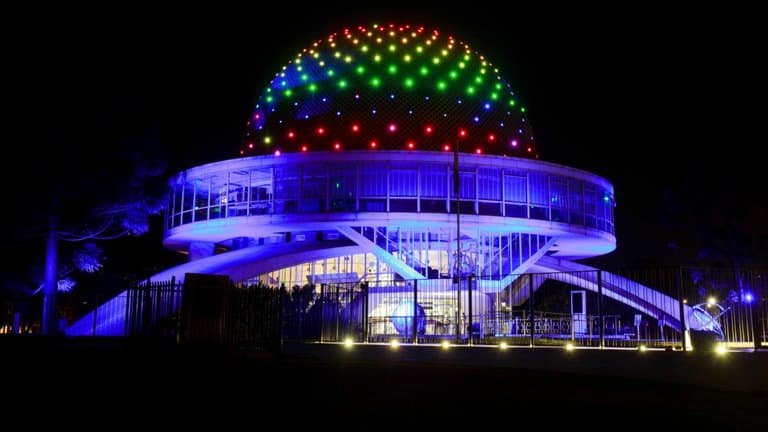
(392, 48)
(436, 60)
(321, 63)
(407, 58)
(316, 55)
(337, 54)
(377, 58)
(391, 33)
(429, 42)
(364, 48)
(333, 45)
(404, 40)
(413, 34)
(482, 71)
(347, 59)
(369, 34)
(461, 65)
(419, 49)
(378, 40)
(355, 41)
(444, 52)
(267, 140)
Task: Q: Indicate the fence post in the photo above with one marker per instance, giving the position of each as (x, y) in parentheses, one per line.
(280, 319)
(601, 319)
(530, 308)
(470, 328)
(414, 321)
(757, 319)
(681, 303)
(322, 310)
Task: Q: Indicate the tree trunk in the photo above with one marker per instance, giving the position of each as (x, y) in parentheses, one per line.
(50, 321)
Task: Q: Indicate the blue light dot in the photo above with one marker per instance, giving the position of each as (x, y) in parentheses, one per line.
(501, 124)
(445, 114)
(519, 131)
(325, 100)
(295, 104)
(306, 116)
(283, 83)
(410, 112)
(357, 96)
(392, 96)
(338, 113)
(459, 101)
(260, 127)
(476, 119)
(279, 122)
(487, 106)
(373, 111)
(426, 97)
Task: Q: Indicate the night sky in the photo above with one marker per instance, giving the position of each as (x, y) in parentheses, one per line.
(659, 101)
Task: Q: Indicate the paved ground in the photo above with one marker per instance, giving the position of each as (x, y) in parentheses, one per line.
(141, 386)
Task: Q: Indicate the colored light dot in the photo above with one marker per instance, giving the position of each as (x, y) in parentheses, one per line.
(313, 87)
(377, 58)
(355, 128)
(342, 84)
(512, 102)
(299, 68)
(316, 55)
(291, 134)
(530, 149)
(408, 82)
(478, 151)
(337, 54)
(522, 109)
(378, 40)
(304, 148)
(482, 71)
(453, 74)
(355, 41)
(441, 85)
(419, 49)
(267, 140)
(392, 48)
(404, 40)
(479, 79)
(487, 106)
(470, 90)
(375, 82)
(392, 69)
(428, 130)
(428, 42)
(411, 145)
(446, 148)
(462, 133)
(288, 93)
(392, 128)
(373, 144)
(513, 143)
(391, 95)
(283, 83)
(498, 86)
(494, 96)
(423, 70)
(476, 119)
(444, 52)
(461, 65)
(364, 48)
(348, 59)
(304, 77)
(407, 58)
(491, 137)
(242, 152)
(331, 72)
(436, 60)
(360, 70)
(320, 131)
(269, 98)
(336, 146)
(277, 152)
(321, 63)
(391, 33)
(250, 145)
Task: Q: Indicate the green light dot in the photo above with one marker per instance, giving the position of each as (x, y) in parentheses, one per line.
(269, 90)
(436, 60)
(461, 65)
(304, 77)
(407, 58)
(423, 70)
(360, 70)
(392, 69)
(313, 87)
(522, 109)
(482, 71)
(498, 86)
(441, 85)
(375, 82)
(408, 82)
(316, 55)
(466, 57)
(269, 98)
(419, 49)
(288, 93)
(342, 84)
(453, 74)
(470, 90)
(479, 79)
(299, 68)
(494, 96)
(377, 58)
(512, 102)
(393, 47)
(330, 72)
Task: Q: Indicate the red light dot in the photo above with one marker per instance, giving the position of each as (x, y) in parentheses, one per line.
(250, 145)
(256, 116)
(373, 144)
(355, 128)
(478, 150)
(304, 148)
(277, 152)
(242, 152)
(491, 137)
(337, 146)
(411, 145)
(320, 131)
(462, 133)
(530, 149)
(392, 128)
(446, 148)
(428, 130)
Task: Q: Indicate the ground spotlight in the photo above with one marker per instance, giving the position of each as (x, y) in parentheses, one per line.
(569, 346)
(446, 344)
(394, 343)
(720, 349)
(643, 348)
(348, 342)
(503, 345)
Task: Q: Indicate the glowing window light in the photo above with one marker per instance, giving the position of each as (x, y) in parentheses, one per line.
(408, 83)
(373, 144)
(445, 345)
(441, 85)
(392, 69)
(394, 343)
(428, 129)
(392, 128)
(375, 82)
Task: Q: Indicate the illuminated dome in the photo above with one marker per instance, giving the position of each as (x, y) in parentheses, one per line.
(389, 87)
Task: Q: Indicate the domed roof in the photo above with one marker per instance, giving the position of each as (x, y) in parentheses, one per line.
(389, 87)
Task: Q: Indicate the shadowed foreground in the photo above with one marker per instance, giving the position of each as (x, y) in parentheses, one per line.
(117, 385)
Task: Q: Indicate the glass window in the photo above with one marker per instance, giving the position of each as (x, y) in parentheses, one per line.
(434, 182)
(539, 193)
(489, 187)
(403, 182)
(515, 188)
(373, 181)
